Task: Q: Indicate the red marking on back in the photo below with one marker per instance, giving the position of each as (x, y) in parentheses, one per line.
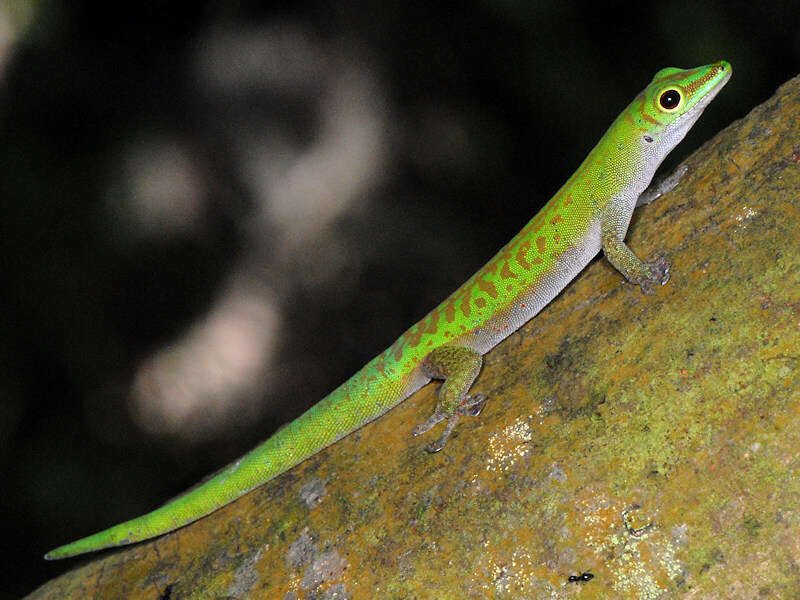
(506, 272)
(487, 287)
(465, 307)
(450, 310)
(541, 244)
(413, 335)
(431, 322)
(522, 255)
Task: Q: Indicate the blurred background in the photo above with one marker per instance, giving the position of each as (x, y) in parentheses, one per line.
(215, 212)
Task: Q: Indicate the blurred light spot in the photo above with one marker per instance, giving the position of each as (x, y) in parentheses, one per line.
(342, 164)
(300, 184)
(211, 377)
(281, 57)
(300, 177)
(159, 190)
(16, 16)
(442, 142)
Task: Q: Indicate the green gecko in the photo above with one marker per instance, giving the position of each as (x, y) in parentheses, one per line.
(589, 213)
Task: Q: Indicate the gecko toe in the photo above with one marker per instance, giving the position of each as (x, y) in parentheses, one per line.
(434, 447)
(472, 406)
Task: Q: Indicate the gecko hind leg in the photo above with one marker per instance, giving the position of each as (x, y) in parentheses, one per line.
(458, 366)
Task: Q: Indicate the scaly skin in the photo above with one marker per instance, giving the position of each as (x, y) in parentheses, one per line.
(589, 213)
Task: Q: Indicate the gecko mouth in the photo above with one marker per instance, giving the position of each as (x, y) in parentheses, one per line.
(715, 89)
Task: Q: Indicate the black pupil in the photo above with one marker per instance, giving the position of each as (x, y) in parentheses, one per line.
(670, 99)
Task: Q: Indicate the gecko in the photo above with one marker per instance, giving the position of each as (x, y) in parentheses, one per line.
(591, 212)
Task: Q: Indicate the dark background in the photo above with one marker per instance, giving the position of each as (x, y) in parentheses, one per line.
(214, 213)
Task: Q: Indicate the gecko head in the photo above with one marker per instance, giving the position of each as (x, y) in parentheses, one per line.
(672, 102)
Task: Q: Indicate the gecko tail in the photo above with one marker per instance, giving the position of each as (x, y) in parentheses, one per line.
(129, 532)
(335, 416)
(197, 502)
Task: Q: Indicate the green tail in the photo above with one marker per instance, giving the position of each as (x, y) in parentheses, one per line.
(335, 416)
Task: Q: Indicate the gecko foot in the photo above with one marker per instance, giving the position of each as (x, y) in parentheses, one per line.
(470, 406)
(657, 272)
(434, 447)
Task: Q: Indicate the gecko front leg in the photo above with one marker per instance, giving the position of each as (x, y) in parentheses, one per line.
(662, 186)
(626, 262)
(458, 366)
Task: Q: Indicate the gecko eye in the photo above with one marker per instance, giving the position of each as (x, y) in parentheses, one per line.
(670, 99)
